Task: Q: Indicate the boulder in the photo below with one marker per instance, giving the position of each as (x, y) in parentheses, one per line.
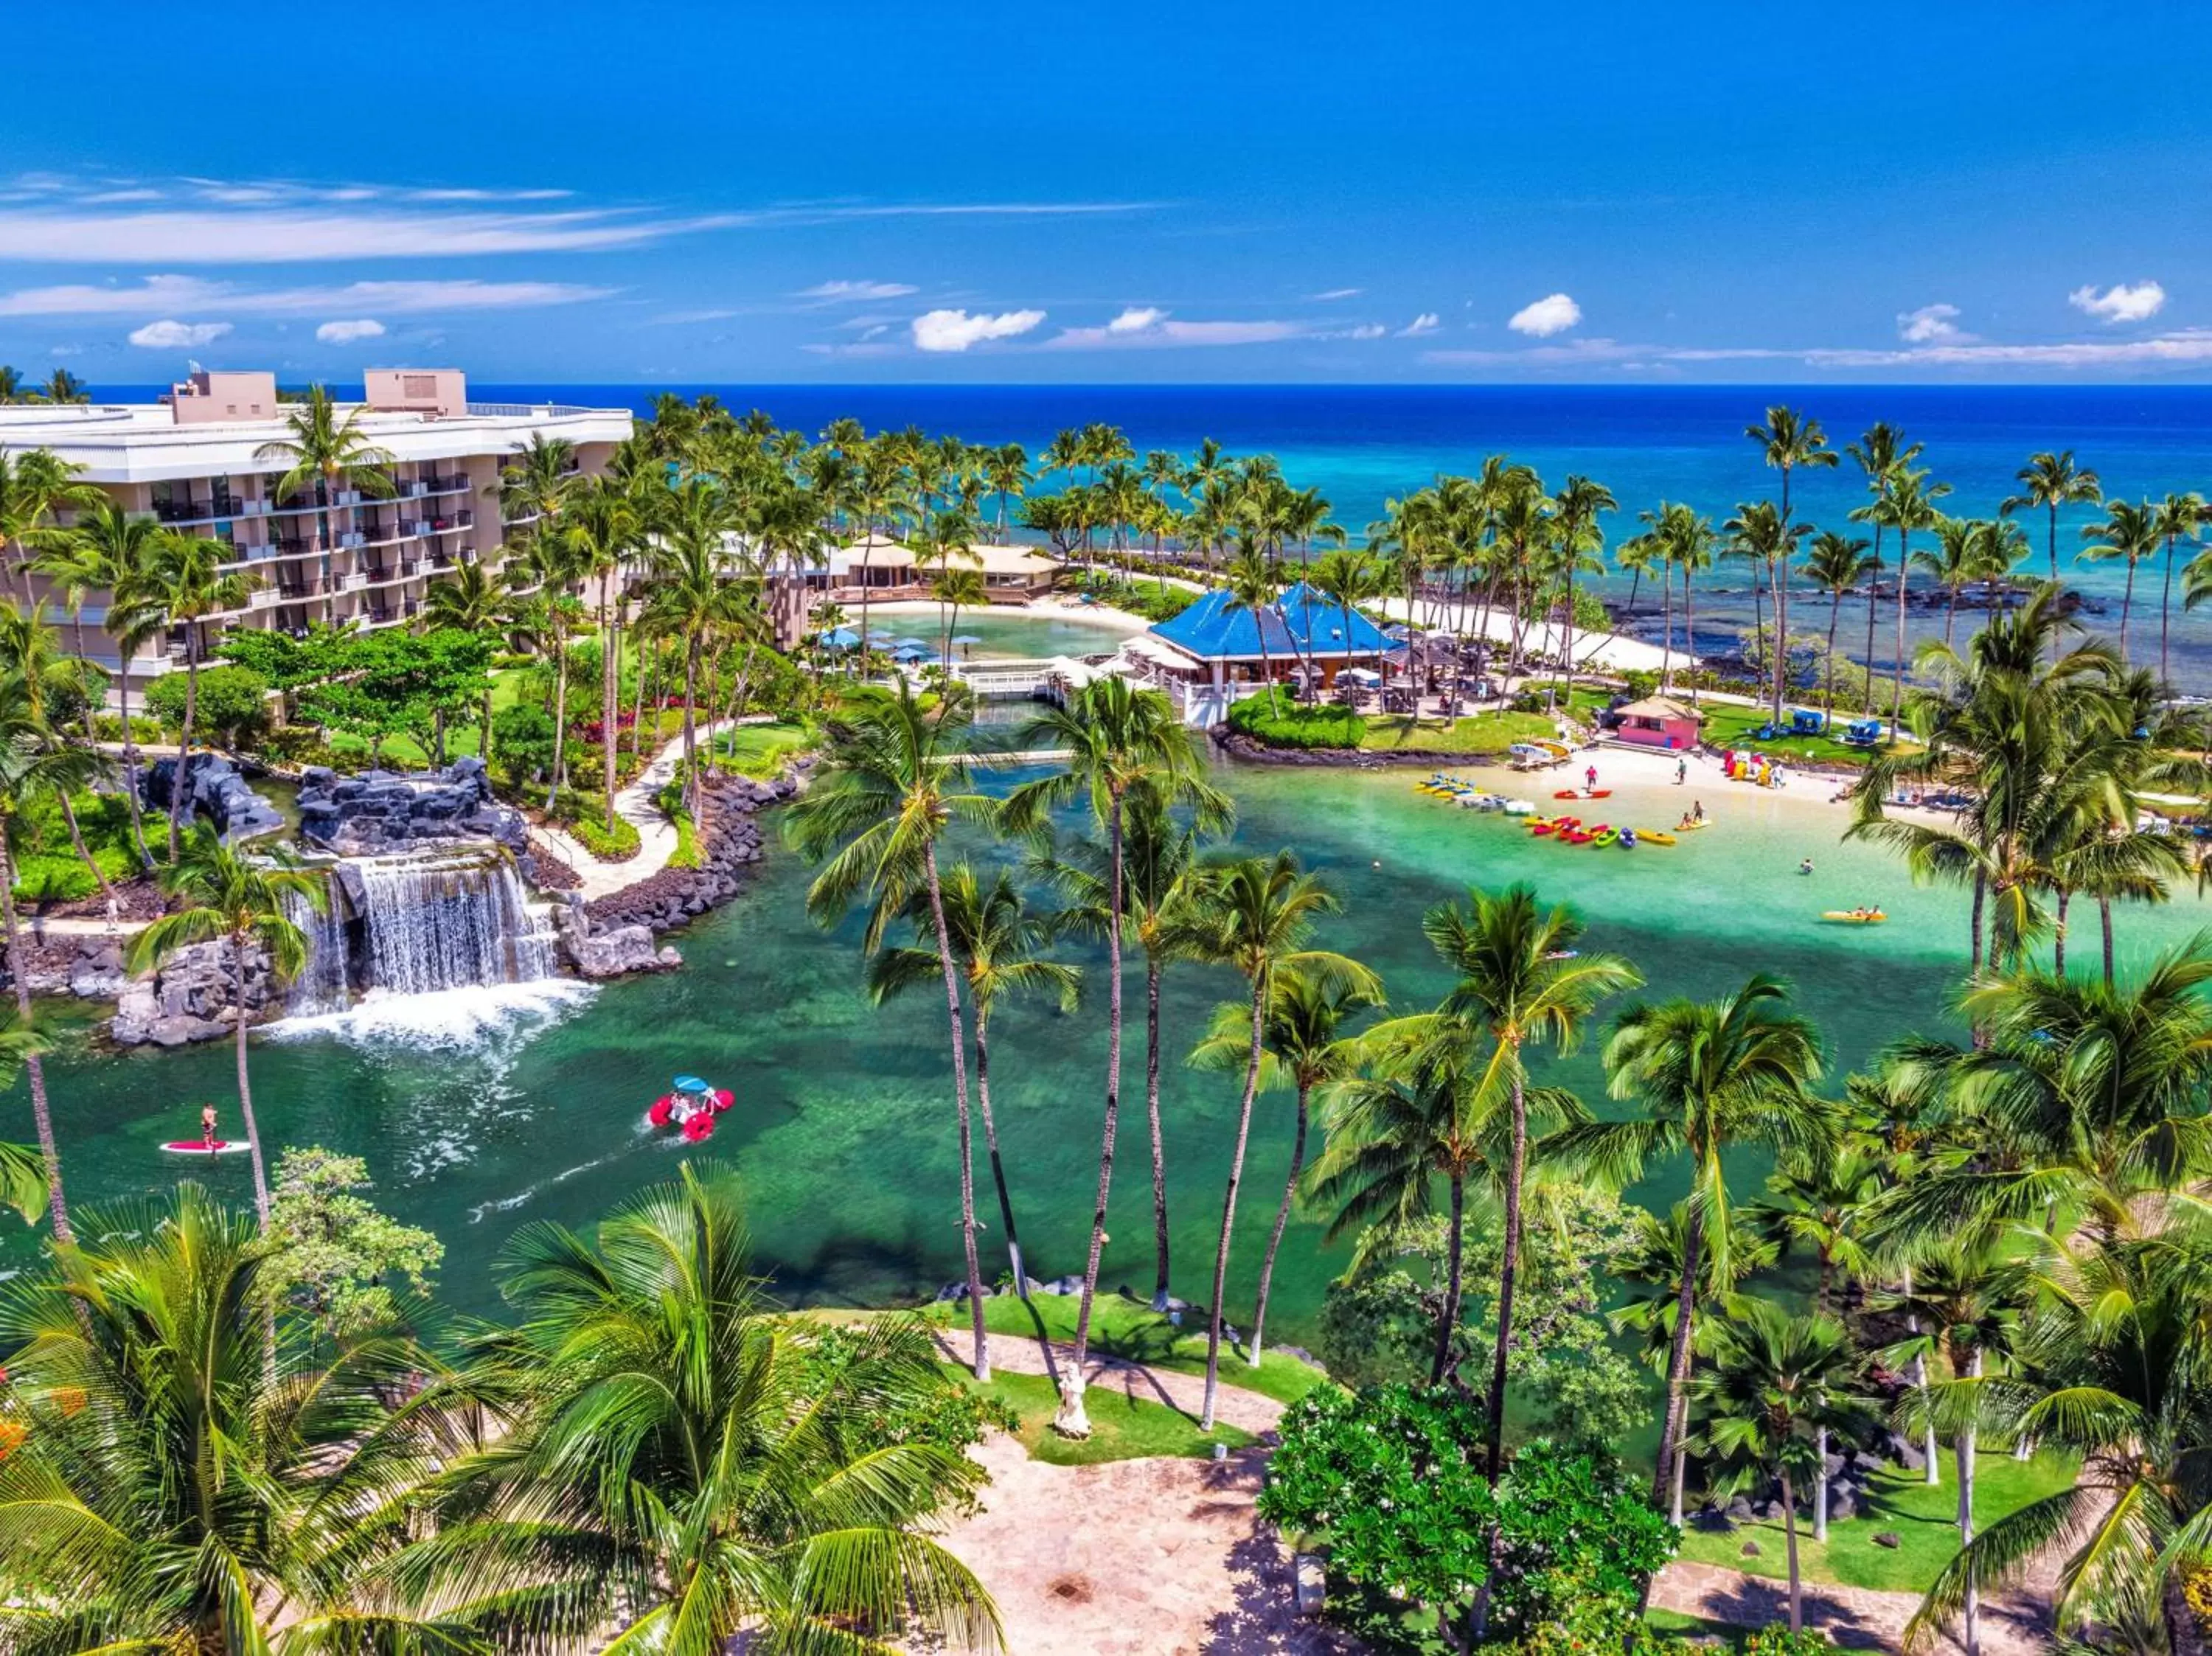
(618, 951)
(182, 1030)
(1888, 1538)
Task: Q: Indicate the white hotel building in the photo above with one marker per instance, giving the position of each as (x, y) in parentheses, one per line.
(192, 461)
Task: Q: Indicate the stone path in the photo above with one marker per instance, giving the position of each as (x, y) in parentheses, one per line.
(1247, 1410)
(636, 805)
(1857, 1618)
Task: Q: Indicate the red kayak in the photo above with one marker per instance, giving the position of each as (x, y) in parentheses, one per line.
(201, 1147)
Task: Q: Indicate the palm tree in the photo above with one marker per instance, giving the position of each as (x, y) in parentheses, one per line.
(689, 598)
(1256, 916)
(996, 939)
(1761, 537)
(539, 484)
(184, 1487)
(601, 529)
(330, 452)
(30, 767)
(2180, 518)
(11, 386)
(1523, 981)
(63, 387)
(180, 585)
(1963, 1299)
(2051, 481)
(1117, 738)
(687, 1470)
(246, 904)
(1883, 455)
(1006, 470)
(1786, 442)
(893, 780)
(1577, 539)
(1908, 505)
(1306, 1048)
(1252, 586)
(34, 486)
(1688, 542)
(30, 654)
(472, 599)
(23, 1185)
(2131, 531)
(1836, 565)
(1709, 1076)
(1777, 1387)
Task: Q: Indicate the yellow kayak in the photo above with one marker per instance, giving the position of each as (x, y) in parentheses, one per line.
(1654, 837)
(1854, 916)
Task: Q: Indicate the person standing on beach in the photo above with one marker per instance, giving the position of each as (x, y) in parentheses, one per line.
(1681, 772)
(1590, 776)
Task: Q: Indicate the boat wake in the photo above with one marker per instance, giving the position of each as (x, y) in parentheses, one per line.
(464, 1018)
(508, 1204)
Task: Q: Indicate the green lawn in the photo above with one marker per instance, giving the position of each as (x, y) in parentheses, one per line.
(759, 750)
(1492, 732)
(1680, 1624)
(1127, 1329)
(1923, 1519)
(1730, 726)
(1122, 1427)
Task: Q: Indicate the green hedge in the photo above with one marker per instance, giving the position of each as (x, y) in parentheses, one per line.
(619, 846)
(1290, 726)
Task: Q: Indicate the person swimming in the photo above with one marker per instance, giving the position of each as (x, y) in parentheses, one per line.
(1805, 867)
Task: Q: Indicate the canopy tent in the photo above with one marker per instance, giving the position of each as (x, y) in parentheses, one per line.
(839, 638)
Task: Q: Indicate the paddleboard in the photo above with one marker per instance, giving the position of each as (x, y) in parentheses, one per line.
(200, 1147)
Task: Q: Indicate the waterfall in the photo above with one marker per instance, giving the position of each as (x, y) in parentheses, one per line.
(321, 986)
(454, 918)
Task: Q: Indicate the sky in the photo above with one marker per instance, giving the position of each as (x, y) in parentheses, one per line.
(1038, 192)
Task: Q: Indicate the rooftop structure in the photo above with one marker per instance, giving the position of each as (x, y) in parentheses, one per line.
(1303, 625)
(199, 461)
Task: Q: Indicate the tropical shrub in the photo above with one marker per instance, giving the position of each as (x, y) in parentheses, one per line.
(1290, 725)
(589, 829)
(1776, 1640)
(522, 742)
(342, 1261)
(233, 700)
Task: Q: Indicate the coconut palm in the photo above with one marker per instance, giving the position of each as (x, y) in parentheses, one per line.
(1306, 1047)
(690, 599)
(1777, 1387)
(31, 766)
(245, 904)
(599, 527)
(1707, 1076)
(1965, 1300)
(1686, 543)
(1951, 564)
(1786, 442)
(1760, 536)
(1908, 504)
(1007, 471)
(34, 485)
(1882, 454)
(2052, 482)
(330, 452)
(1523, 981)
(1255, 915)
(1836, 564)
(997, 940)
(30, 654)
(892, 780)
(2130, 532)
(1576, 538)
(1252, 586)
(472, 599)
(537, 485)
(684, 1469)
(1118, 738)
(2179, 517)
(23, 1184)
(178, 586)
(183, 1486)
(63, 387)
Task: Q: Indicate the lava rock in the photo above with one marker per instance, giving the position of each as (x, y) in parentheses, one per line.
(1888, 1538)
(214, 789)
(617, 952)
(1749, 1549)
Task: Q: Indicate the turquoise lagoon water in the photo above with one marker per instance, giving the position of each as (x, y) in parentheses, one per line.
(528, 1105)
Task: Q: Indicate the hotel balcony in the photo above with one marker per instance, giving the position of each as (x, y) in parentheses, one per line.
(221, 504)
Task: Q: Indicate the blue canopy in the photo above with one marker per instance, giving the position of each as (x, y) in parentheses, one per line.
(840, 638)
(1302, 622)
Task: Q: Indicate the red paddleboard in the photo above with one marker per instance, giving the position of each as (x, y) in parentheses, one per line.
(201, 1147)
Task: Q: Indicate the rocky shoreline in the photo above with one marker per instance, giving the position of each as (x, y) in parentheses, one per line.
(1238, 746)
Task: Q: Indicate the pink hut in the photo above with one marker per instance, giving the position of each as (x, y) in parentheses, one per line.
(1659, 722)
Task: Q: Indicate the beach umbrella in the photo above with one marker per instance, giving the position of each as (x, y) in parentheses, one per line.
(839, 638)
(966, 637)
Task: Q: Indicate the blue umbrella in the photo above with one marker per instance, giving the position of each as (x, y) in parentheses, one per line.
(840, 638)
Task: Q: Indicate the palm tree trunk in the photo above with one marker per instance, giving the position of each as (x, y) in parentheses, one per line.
(1282, 1218)
(991, 1147)
(1780, 569)
(1507, 1275)
(185, 735)
(2165, 610)
(691, 729)
(983, 1362)
(1678, 1356)
(1228, 1205)
(559, 717)
(1667, 630)
(2105, 917)
(1972, 1606)
(2058, 936)
(610, 692)
(1904, 579)
(245, 1085)
(1974, 923)
(1950, 615)
(1159, 1149)
(34, 1067)
(1689, 633)
(83, 852)
(1448, 1314)
(1071, 1418)
(1820, 1486)
(130, 766)
(1681, 1465)
(1790, 1536)
(1874, 595)
(2127, 603)
(1835, 615)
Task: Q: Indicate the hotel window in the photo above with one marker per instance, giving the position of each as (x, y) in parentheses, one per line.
(418, 385)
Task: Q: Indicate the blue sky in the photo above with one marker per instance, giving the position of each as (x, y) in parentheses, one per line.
(1221, 192)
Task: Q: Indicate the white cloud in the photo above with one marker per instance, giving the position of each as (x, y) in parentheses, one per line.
(287, 234)
(176, 335)
(1337, 292)
(956, 331)
(1426, 322)
(835, 291)
(1364, 331)
(183, 292)
(875, 330)
(348, 333)
(1137, 318)
(1168, 332)
(2121, 302)
(1930, 324)
(1553, 313)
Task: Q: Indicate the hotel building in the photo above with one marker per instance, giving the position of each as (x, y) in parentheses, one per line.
(193, 461)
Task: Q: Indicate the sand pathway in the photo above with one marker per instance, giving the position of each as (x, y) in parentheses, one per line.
(1858, 1619)
(637, 805)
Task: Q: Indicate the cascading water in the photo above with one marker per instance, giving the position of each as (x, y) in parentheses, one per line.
(452, 919)
(322, 987)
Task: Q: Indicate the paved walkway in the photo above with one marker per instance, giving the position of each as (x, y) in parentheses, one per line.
(636, 805)
(1857, 1618)
(1249, 1411)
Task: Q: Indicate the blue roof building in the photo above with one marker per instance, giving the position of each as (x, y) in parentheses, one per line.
(1302, 624)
